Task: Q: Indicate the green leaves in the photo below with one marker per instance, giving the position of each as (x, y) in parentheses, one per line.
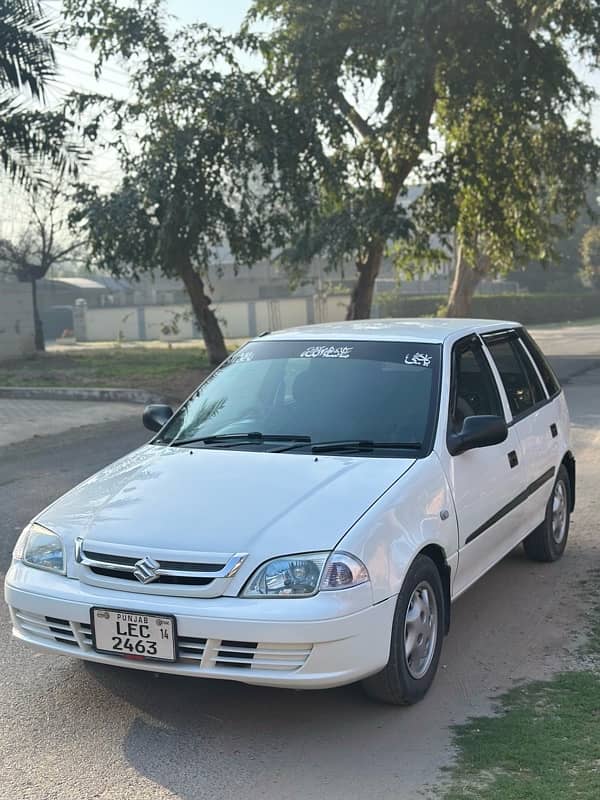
(31, 141)
(474, 98)
(312, 155)
(210, 156)
(26, 54)
(514, 169)
(590, 255)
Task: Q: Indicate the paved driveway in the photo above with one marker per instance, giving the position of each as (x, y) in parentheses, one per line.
(25, 419)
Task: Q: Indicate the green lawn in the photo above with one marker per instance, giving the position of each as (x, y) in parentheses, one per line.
(174, 372)
(544, 745)
(545, 742)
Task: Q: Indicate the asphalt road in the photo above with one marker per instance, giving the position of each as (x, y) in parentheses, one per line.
(70, 731)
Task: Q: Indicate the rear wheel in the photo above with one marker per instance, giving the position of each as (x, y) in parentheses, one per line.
(548, 542)
(417, 635)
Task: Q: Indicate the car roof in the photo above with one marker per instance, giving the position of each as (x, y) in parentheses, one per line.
(425, 330)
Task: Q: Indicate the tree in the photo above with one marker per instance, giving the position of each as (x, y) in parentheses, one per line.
(590, 255)
(43, 244)
(428, 63)
(509, 192)
(198, 149)
(515, 170)
(29, 137)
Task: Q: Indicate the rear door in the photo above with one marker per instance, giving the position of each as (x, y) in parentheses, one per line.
(533, 417)
(484, 481)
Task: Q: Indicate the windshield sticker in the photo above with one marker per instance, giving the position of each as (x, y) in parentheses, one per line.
(418, 360)
(325, 351)
(241, 357)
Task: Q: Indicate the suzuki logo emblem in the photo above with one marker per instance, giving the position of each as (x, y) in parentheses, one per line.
(146, 569)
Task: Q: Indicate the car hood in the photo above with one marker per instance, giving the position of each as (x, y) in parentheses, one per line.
(223, 501)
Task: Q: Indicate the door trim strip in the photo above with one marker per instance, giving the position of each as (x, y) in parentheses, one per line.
(516, 501)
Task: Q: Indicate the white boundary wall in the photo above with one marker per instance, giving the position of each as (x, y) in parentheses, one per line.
(17, 336)
(239, 319)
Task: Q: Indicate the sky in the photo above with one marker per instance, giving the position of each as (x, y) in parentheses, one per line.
(226, 14)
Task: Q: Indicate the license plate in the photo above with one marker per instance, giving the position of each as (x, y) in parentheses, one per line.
(140, 637)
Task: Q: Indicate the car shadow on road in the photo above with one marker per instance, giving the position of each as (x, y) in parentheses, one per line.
(200, 738)
(211, 738)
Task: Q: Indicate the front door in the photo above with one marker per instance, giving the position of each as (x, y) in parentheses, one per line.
(486, 482)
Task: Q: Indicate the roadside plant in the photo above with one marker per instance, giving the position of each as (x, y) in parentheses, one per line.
(32, 138)
(590, 256)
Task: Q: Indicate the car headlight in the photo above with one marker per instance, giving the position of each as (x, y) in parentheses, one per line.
(40, 548)
(305, 574)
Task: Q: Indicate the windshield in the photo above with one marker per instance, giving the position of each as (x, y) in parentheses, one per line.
(382, 392)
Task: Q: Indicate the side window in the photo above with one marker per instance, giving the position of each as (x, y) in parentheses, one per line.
(522, 385)
(545, 370)
(474, 390)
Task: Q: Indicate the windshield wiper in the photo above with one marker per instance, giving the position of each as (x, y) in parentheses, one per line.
(254, 436)
(363, 445)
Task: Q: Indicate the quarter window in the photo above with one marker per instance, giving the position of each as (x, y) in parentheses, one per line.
(521, 383)
(474, 388)
(545, 370)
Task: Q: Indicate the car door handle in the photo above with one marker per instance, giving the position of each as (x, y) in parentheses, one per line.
(513, 459)
(554, 430)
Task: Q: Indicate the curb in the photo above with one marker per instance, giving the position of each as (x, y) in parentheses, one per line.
(79, 393)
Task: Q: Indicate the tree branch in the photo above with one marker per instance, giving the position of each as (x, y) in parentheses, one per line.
(56, 257)
(397, 175)
(352, 115)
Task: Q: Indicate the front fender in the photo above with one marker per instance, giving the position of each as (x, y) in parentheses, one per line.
(416, 512)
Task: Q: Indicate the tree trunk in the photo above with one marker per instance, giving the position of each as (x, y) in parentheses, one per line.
(40, 345)
(465, 282)
(362, 293)
(205, 316)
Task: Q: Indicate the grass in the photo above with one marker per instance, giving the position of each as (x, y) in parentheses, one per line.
(545, 742)
(590, 587)
(173, 372)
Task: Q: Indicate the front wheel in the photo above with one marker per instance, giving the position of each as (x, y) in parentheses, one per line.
(548, 542)
(417, 635)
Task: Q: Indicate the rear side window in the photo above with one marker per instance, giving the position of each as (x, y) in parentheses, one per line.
(521, 383)
(545, 370)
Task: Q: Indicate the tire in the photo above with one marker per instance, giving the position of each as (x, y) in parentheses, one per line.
(548, 542)
(406, 678)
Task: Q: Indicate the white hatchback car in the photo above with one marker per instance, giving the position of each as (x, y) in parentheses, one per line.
(308, 516)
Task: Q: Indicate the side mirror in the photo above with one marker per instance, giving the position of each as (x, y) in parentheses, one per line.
(482, 431)
(156, 416)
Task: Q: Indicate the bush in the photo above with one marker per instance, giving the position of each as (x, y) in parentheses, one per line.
(395, 304)
(529, 309)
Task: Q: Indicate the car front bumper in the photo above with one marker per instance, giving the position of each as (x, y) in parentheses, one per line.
(328, 640)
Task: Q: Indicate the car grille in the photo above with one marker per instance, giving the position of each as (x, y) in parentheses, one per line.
(98, 566)
(173, 580)
(200, 579)
(201, 654)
